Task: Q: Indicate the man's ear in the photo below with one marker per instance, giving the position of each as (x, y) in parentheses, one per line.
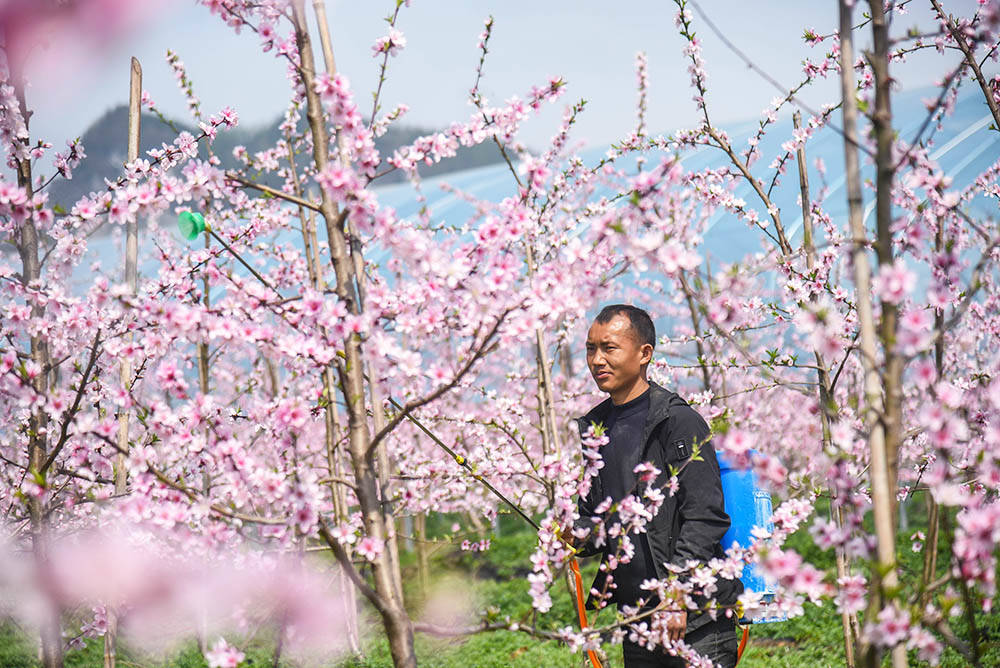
(647, 353)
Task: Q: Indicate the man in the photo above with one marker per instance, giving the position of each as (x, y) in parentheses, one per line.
(646, 423)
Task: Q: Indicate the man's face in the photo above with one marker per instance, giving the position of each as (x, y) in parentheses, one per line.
(614, 354)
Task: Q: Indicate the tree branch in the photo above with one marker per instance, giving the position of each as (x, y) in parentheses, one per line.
(423, 401)
(274, 192)
(75, 408)
(970, 59)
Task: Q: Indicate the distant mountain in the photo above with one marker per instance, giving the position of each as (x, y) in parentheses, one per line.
(104, 142)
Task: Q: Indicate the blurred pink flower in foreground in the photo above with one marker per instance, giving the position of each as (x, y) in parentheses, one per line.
(164, 593)
(68, 33)
(222, 655)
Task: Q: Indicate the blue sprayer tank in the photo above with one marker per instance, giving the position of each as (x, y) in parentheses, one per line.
(748, 505)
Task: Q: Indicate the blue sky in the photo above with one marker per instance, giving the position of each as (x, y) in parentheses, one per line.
(592, 44)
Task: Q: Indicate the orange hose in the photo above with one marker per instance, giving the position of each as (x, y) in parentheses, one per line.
(743, 643)
(582, 610)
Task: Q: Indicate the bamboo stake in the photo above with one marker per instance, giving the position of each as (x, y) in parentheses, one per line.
(125, 370)
(546, 396)
(423, 561)
(131, 265)
(206, 300)
(203, 386)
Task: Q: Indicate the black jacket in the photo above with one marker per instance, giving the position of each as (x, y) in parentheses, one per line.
(690, 524)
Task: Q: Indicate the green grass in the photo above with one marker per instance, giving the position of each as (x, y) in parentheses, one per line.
(15, 648)
(495, 580)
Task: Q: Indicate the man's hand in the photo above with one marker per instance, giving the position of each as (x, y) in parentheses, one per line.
(676, 625)
(568, 539)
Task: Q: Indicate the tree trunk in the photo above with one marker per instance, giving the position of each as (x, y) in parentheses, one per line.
(893, 374)
(398, 627)
(27, 248)
(383, 466)
(879, 466)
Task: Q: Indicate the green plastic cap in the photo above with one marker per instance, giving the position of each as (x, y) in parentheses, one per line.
(191, 224)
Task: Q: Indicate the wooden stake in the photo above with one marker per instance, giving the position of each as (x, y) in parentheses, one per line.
(423, 554)
(131, 265)
(131, 276)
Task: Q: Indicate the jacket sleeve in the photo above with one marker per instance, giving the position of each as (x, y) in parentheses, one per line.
(702, 519)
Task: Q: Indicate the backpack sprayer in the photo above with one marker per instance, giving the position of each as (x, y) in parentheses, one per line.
(747, 505)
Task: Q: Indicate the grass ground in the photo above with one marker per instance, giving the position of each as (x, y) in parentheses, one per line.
(495, 580)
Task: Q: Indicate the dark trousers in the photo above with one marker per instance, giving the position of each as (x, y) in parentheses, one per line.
(715, 640)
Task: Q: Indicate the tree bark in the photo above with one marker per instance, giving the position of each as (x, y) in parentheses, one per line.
(383, 465)
(893, 375)
(395, 619)
(27, 248)
(884, 575)
(884, 176)
(933, 516)
(706, 379)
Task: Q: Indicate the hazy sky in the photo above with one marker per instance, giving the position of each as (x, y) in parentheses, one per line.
(591, 43)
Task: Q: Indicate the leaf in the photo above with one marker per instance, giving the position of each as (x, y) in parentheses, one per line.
(719, 424)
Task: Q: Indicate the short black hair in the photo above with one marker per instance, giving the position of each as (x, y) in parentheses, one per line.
(638, 318)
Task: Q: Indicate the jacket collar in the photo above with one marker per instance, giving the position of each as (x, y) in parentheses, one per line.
(660, 402)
